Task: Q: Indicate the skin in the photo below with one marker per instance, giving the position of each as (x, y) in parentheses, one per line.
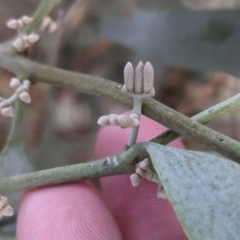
(79, 211)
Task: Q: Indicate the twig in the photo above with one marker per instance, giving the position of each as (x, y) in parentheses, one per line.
(137, 108)
(204, 117)
(102, 87)
(117, 164)
(44, 9)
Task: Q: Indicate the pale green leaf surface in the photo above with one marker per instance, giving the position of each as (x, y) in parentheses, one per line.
(204, 190)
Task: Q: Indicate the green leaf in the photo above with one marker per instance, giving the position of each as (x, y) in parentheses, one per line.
(204, 190)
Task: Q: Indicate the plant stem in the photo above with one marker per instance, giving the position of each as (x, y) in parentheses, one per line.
(137, 108)
(117, 164)
(204, 117)
(102, 87)
(43, 10)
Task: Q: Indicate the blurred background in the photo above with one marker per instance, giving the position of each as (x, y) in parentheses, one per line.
(194, 46)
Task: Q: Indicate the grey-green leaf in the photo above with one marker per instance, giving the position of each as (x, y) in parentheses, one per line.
(204, 190)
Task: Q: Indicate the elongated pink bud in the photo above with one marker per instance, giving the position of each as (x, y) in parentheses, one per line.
(139, 78)
(129, 77)
(148, 76)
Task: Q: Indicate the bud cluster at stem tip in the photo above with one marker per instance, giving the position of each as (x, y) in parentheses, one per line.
(23, 41)
(139, 82)
(5, 208)
(122, 121)
(143, 171)
(20, 23)
(21, 92)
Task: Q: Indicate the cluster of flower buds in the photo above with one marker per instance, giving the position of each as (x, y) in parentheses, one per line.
(21, 92)
(5, 208)
(143, 171)
(139, 82)
(49, 25)
(24, 42)
(18, 24)
(21, 89)
(122, 121)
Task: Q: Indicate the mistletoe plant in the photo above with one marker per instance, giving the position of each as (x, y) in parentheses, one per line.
(202, 188)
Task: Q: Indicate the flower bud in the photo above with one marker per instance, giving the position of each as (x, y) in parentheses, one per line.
(135, 179)
(19, 45)
(15, 83)
(103, 120)
(32, 38)
(125, 121)
(148, 76)
(139, 78)
(26, 20)
(113, 119)
(25, 97)
(7, 211)
(128, 73)
(7, 111)
(12, 24)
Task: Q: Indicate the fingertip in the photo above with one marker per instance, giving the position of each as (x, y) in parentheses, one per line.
(70, 211)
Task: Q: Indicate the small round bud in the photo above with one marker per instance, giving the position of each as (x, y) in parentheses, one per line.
(19, 45)
(53, 27)
(7, 211)
(113, 120)
(4, 104)
(20, 23)
(103, 120)
(144, 164)
(125, 121)
(45, 23)
(26, 42)
(26, 20)
(15, 83)
(25, 97)
(135, 180)
(140, 172)
(7, 112)
(12, 24)
(32, 38)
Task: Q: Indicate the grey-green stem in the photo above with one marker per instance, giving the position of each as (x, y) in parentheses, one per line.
(137, 109)
(108, 89)
(117, 164)
(204, 117)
